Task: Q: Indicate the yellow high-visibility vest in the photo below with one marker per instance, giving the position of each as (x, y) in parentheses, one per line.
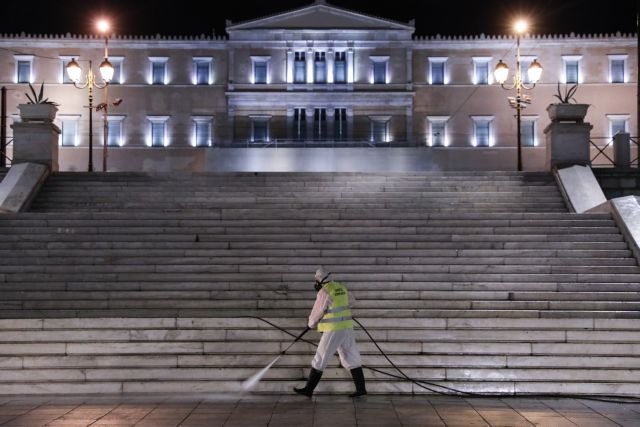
(338, 316)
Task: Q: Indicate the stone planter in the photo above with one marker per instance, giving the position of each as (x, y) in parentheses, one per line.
(567, 112)
(38, 112)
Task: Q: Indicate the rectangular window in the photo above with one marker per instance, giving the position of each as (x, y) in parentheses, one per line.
(114, 132)
(202, 133)
(437, 71)
(379, 72)
(65, 76)
(340, 124)
(525, 63)
(320, 68)
(340, 68)
(158, 130)
(379, 130)
(260, 71)
(117, 70)
(259, 129)
(24, 71)
(482, 133)
(618, 126)
(528, 133)
(319, 123)
(438, 129)
(299, 124)
(300, 67)
(69, 132)
(571, 70)
(202, 69)
(481, 72)
(617, 70)
(158, 71)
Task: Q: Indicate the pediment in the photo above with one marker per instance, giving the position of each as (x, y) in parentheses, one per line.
(320, 16)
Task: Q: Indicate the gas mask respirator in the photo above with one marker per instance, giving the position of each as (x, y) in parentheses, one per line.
(320, 283)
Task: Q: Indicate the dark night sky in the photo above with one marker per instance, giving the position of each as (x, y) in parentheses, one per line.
(186, 17)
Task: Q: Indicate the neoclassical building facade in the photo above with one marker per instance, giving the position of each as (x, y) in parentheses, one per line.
(357, 91)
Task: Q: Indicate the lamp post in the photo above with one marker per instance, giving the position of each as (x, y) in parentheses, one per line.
(520, 101)
(75, 72)
(104, 27)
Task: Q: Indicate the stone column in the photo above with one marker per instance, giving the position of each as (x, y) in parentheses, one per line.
(310, 66)
(330, 59)
(622, 150)
(310, 123)
(568, 144)
(350, 66)
(36, 142)
(290, 59)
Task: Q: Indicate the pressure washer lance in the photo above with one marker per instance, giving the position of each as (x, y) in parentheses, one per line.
(255, 378)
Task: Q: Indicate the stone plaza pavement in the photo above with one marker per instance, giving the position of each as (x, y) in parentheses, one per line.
(331, 411)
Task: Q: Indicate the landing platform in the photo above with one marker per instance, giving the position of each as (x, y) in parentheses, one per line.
(335, 411)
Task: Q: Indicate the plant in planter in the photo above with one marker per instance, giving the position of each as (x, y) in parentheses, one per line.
(568, 109)
(38, 108)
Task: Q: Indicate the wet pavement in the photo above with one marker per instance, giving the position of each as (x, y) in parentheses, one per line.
(331, 411)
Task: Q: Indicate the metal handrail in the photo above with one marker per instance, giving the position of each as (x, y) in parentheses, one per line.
(601, 150)
(634, 140)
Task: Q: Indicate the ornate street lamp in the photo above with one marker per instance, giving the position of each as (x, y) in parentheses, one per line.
(520, 101)
(75, 73)
(103, 27)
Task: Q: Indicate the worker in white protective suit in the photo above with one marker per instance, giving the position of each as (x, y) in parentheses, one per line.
(331, 313)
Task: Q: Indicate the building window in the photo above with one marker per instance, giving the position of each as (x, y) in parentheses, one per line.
(65, 76)
(24, 68)
(320, 123)
(158, 71)
(202, 71)
(482, 131)
(340, 68)
(260, 128)
(618, 123)
(158, 131)
(380, 65)
(340, 124)
(525, 63)
(617, 68)
(380, 129)
(481, 70)
(437, 70)
(572, 68)
(300, 124)
(114, 131)
(260, 69)
(69, 130)
(300, 67)
(437, 134)
(202, 131)
(528, 131)
(116, 61)
(320, 68)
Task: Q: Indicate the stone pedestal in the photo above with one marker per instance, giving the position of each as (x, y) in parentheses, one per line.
(568, 144)
(622, 151)
(36, 142)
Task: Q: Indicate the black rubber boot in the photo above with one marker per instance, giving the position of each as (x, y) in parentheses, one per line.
(314, 378)
(358, 380)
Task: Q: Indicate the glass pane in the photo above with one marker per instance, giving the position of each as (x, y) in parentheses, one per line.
(202, 72)
(320, 75)
(203, 134)
(379, 131)
(300, 72)
(117, 72)
(114, 136)
(158, 73)
(617, 71)
(24, 71)
(319, 123)
(618, 126)
(300, 124)
(340, 124)
(65, 75)
(572, 71)
(157, 134)
(524, 68)
(527, 133)
(437, 73)
(69, 128)
(260, 72)
(260, 130)
(482, 73)
(482, 134)
(340, 72)
(437, 134)
(379, 72)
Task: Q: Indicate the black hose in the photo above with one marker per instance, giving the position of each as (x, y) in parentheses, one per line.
(453, 391)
